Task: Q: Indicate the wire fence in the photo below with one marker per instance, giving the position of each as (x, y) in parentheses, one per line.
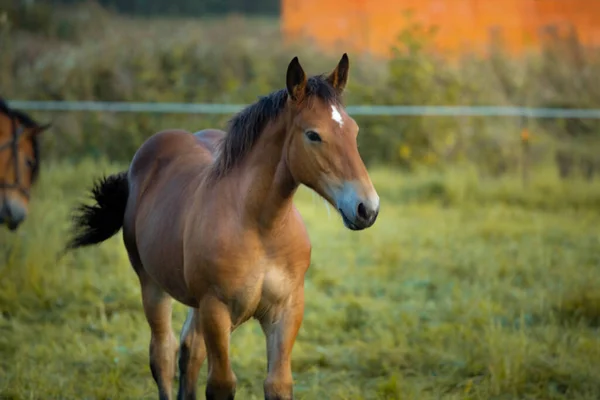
(379, 110)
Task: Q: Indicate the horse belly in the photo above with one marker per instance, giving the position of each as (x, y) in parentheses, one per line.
(169, 275)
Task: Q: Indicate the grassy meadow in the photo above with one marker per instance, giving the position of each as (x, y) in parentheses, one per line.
(462, 290)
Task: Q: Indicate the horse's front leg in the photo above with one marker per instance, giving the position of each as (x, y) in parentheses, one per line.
(216, 327)
(281, 325)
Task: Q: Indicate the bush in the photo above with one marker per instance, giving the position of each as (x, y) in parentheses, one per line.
(235, 60)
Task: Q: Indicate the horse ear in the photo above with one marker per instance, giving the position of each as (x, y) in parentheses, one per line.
(339, 77)
(296, 80)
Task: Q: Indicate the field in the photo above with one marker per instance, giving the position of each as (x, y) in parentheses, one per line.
(462, 290)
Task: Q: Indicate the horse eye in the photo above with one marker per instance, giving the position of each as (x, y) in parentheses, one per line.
(313, 136)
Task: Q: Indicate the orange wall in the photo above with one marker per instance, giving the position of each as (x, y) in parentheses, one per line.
(363, 25)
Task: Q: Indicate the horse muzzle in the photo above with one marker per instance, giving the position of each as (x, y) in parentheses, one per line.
(12, 214)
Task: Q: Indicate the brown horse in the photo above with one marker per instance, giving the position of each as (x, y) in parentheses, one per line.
(208, 219)
(19, 163)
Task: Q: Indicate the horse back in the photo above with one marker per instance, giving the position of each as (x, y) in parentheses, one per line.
(210, 138)
(173, 150)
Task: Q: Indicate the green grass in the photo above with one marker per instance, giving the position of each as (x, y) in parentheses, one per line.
(462, 290)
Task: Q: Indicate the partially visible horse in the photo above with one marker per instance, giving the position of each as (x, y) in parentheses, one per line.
(19, 163)
(209, 220)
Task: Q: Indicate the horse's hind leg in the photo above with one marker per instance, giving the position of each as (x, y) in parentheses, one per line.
(192, 353)
(163, 343)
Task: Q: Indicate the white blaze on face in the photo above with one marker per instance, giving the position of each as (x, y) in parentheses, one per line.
(336, 116)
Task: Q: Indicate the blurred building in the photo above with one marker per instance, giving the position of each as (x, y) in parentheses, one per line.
(463, 25)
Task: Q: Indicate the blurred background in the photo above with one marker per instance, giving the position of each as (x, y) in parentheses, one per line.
(526, 53)
(479, 122)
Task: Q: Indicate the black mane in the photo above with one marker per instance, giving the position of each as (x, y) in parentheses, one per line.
(4, 109)
(246, 126)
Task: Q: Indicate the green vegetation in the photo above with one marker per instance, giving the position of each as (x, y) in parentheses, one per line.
(87, 53)
(460, 290)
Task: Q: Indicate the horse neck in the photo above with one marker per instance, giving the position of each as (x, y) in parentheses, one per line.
(268, 187)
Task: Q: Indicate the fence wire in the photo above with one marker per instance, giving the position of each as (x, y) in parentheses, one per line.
(375, 110)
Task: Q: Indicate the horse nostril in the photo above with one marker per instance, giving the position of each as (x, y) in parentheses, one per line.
(362, 212)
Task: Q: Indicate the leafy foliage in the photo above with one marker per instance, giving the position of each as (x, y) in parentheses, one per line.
(98, 55)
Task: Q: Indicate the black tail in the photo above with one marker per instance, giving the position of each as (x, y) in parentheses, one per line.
(94, 224)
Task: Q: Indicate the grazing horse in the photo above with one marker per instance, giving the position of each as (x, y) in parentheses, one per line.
(19, 163)
(208, 219)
